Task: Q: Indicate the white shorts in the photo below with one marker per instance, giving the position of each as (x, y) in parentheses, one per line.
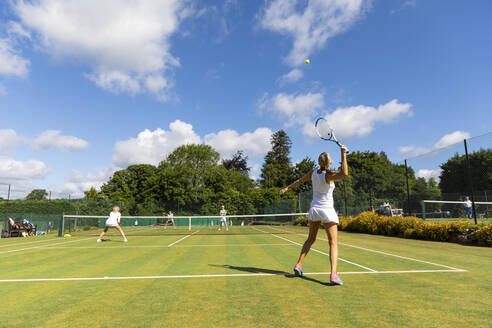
(223, 220)
(111, 224)
(323, 214)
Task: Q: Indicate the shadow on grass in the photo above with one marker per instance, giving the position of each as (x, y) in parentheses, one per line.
(270, 271)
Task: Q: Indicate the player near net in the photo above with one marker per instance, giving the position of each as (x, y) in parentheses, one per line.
(223, 218)
(322, 209)
(113, 222)
(170, 219)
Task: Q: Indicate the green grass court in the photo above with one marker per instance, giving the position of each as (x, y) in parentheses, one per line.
(241, 279)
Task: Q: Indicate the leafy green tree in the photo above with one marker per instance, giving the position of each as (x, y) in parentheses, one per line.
(276, 171)
(238, 162)
(37, 194)
(454, 174)
(93, 194)
(299, 170)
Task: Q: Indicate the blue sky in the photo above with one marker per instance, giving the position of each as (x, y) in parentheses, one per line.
(86, 88)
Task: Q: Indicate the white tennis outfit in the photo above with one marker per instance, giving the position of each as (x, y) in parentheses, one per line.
(322, 207)
(223, 217)
(113, 220)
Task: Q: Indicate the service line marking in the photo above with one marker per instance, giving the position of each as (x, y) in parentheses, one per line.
(179, 240)
(380, 252)
(222, 275)
(318, 251)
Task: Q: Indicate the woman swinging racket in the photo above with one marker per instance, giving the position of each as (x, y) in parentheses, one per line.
(322, 209)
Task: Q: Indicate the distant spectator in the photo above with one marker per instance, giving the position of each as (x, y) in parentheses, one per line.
(48, 229)
(468, 207)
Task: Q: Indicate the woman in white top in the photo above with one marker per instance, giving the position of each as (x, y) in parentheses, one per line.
(113, 222)
(322, 209)
(223, 219)
(170, 219)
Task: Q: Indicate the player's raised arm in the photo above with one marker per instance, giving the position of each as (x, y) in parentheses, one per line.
(298, 182)
(343, 172)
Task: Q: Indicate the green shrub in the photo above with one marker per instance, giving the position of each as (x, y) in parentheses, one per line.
(412, 227)
(87, 228)
(301, 221)
(484, 235)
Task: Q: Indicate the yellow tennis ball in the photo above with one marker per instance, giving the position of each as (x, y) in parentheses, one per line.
(307, 61)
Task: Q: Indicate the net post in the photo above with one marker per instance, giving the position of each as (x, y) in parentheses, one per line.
(470, 182)
(189, 224)
(61, 225)
(408, 190)
(423, 209)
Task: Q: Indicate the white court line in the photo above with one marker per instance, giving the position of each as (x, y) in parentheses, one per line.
(164, 246)
(27, 242)
(317, 250)
(43, 246)
(177, 241)
(384, 253)
(221, 275)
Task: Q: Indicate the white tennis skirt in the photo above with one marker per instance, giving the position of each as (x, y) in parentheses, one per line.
(323, 214)
(111, 224)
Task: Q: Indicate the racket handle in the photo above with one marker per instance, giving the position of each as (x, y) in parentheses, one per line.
(340, 145)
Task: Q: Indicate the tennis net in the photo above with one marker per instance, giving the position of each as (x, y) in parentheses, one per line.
(92, 225)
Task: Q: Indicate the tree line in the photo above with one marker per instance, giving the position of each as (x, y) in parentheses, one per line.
(192, 180)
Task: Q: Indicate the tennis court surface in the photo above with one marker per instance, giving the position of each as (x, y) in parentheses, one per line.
(181, 278)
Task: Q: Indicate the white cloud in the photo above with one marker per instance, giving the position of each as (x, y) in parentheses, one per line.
(11, 170)
(9, 140)
(255, 171)
(301, 110)
(151, 147)
(126, 44)
(405, 5)
(361, 120)
(79, 182)
(310, 23)
(11, 62)
(427, 174)
(227, 142)
(444, 141)
(413, 150)
(296, 109)
(451, 138)
(293, 76)
(52, 139)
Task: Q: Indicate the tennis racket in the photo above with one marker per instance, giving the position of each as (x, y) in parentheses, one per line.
(325, 131)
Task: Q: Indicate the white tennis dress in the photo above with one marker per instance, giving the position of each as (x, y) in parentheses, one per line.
(114, 219)
(322, 205)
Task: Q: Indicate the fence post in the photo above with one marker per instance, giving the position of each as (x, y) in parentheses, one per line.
(408, 190)
(189, 224)
(60, 225)
(423, 209)
(470, 182)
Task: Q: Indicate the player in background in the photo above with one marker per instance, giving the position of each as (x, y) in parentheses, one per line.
(113, 222)
(223, 218)
(322, 209)
(170, 219)
(468, 207)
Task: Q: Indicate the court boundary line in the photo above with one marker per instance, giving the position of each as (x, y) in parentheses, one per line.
(381, 252)
(181, 239)
(231, 275)
(165, 246)
(317, 250)
(27, 242)
(42, 246)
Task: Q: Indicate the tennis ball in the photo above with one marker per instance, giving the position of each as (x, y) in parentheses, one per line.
(307, 61)
(67, 235)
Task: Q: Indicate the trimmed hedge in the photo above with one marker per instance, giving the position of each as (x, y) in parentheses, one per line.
(412, 227)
